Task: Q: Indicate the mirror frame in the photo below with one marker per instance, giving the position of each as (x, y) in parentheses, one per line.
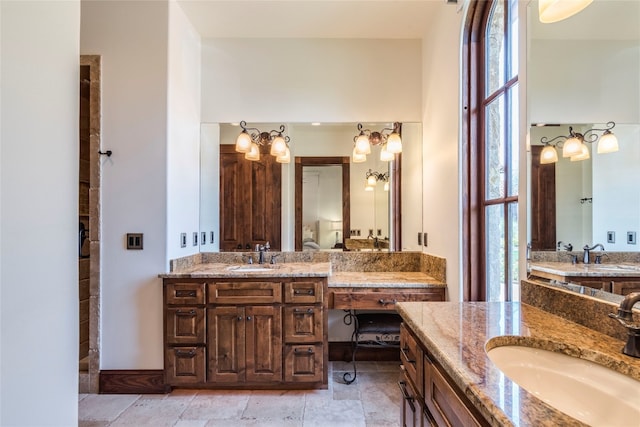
(300, 162)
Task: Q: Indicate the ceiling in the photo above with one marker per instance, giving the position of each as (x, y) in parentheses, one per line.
(367, 19)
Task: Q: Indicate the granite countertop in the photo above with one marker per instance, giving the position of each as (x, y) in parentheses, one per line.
(587, 270)
(216, 270)
(395, 279)
(456, 335)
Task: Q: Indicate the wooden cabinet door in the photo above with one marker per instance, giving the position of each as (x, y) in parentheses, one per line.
(263, 343)
(184, 365)
(185, 325)
(250, 200)
(226, 344)
(303, 363)
(303, 324)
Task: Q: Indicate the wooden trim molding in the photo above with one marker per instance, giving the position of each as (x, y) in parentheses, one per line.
(133, 381)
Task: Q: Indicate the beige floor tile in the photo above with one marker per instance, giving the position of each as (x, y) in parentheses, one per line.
(104, 407)
(85, 423)
(151, 412)
(216, 404)
(330, 412)
(192, 423)
(274, 405)
(254, 423)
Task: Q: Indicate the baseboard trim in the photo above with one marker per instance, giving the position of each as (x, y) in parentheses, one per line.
(133, 381)
(342, 351)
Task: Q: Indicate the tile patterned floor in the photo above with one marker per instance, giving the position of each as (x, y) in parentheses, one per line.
(372, 401)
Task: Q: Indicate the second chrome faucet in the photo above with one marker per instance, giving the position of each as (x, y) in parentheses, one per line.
(586, 257)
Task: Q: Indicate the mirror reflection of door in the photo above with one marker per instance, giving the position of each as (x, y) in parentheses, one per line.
(250, 200)
(322, 202)
(543, 203)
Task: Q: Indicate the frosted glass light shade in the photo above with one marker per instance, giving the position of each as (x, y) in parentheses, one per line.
(583, 155)
(572, 147)
(285, 157)
(386, 186)
(394, 143)
(358, 158)
(368, 188)
(278, 146)
(557, 10)
(253, 153)
(362, 144)
(371, 180)
(243, 142)
(608, 143)
(548, 155)
(385, 155)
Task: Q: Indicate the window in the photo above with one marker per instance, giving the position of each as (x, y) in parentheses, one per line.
(491, 156)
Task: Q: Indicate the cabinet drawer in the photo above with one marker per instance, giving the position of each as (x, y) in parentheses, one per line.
(303, 324)
(245, 293)
(185, 325)
(304, 363)
(410, 408)
(303, 292)
(184, 365)
(184, 293)
(411, 357)
(624, 288)
(382, 300)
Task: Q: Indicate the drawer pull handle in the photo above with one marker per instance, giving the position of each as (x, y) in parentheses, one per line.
(299, 310)
(405, 395)
(186, 294)
(309, 351)
(190, 353)
(186, 313)
(406, 356)
(301, 292)
(386, 302)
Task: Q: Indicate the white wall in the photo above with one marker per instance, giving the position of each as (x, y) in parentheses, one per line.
(39, 199)
(310, 80)
(210, 185)
(183, 145)
(412, 158)
(132, 38)
(588, 81)
(441, 113)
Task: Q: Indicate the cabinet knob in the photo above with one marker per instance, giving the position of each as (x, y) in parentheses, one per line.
(239, 318)
(249, 318)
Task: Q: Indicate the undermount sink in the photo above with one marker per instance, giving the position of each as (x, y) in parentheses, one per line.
(251, 268)
(580, 388)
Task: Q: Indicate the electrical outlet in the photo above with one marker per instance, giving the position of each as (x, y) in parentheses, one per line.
(611, 236)
(631, 237)
(183, 240)
(195, 238)
(203, 238)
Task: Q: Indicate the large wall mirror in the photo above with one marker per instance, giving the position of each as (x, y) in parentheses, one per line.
(370, 211)
(583, 72)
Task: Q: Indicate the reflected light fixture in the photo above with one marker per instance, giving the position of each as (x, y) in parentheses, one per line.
(372, 178)
(388, 139)
(556, 10)
(575, 146)
(250, 140)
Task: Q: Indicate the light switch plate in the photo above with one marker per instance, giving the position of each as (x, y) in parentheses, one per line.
(211, 239)
(203, 238)
(134, 241)
(631, 237)
(195, 238)
(183, 240)
(611, 236)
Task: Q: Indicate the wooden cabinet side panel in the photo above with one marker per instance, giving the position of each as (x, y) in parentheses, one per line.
(226, 343)
(264, 343)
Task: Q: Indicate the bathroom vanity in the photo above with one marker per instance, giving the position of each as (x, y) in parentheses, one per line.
(246, 326)
(449, 379)
(620, 279)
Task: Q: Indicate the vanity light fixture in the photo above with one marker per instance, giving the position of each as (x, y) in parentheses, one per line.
(388, 138)
(575, 146)
(250, 140)
(556, 10)
(372, 178)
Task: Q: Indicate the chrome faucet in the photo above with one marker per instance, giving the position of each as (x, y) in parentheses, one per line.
(587, 249)
(625, 317)
(261, 249)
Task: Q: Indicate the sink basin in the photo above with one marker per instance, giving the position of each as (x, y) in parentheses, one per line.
(251, 268)
(580, 388)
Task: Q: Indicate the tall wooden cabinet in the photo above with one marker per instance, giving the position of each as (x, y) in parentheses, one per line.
(246, 333)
